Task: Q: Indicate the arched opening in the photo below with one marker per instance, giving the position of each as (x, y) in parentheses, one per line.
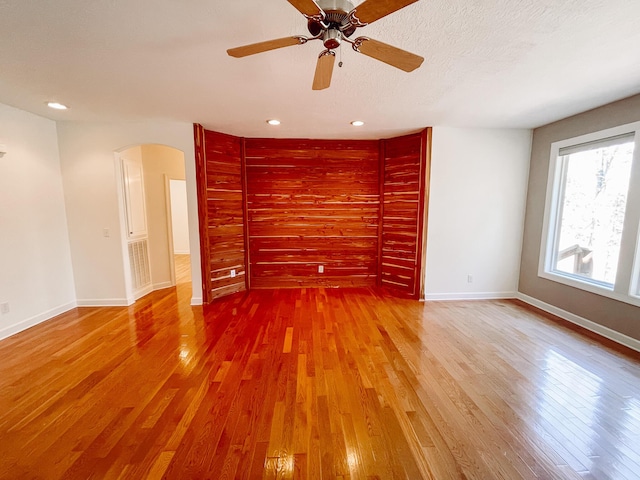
(154, 219)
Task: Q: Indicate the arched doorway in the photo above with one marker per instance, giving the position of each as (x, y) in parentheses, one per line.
(152, 184)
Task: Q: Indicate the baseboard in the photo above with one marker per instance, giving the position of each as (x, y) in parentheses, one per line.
(104, 302)
(23, 325)
(143, 292)
(187, 252)
(35, 320)
(431, 297)
(126, 302)
(601, 330)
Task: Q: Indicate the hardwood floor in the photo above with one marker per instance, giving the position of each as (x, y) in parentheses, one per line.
(183, 268)
(320, 383)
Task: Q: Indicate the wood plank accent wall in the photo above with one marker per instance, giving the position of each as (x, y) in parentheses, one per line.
(221, 203)
(404, 195)
(275, 210)
(312, 203)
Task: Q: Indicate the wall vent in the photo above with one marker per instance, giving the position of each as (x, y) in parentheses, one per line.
(139, 264)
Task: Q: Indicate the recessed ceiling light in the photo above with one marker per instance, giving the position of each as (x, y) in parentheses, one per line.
(273, 122)
(357, 123)
(57, 106)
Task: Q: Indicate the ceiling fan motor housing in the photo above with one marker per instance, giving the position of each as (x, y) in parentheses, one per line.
(335, 21)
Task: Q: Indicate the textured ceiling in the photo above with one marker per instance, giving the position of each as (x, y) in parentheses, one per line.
(500, 63)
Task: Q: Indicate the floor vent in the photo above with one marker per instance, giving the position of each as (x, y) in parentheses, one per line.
(139, 263)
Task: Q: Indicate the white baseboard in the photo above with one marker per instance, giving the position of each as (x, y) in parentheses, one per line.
(35, 320)
(182, 252)
(126, 302)
(22, 325)
(104, 302)
(430, 297)
(606, 332)
(141, 293)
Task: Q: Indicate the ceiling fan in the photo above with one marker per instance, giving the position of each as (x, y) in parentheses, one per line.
(335, 21)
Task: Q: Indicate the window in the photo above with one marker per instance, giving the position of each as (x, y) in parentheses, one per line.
(592, 215)
(592, 203)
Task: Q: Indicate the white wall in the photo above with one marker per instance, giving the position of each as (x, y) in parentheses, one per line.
(179, 217)
(36, 278)
(476, 212)
(88, 170)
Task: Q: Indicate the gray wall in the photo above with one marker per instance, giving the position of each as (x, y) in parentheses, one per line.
(610, 313)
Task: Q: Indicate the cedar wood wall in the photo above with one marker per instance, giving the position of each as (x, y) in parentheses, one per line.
(220, 178)
(286, 207)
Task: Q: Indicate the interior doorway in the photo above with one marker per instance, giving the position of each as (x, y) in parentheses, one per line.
(166, 225)
(179, 230)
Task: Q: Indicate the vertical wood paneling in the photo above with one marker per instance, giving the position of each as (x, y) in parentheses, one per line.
(403, 212)
(221, 204)
(245, 216)
(312, 203)
(201, 185)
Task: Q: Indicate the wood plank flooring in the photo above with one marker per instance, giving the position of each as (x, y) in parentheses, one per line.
(335, 383)
(182, 263)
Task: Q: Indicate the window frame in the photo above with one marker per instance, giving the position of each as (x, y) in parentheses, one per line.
(627, 285)
(634, 287)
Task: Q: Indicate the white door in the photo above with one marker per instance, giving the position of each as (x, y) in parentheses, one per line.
(179, 219)
(134, 198)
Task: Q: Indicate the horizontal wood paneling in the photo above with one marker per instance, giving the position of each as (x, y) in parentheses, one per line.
(222, 215)
(312, 203)
(403, 206)
(275, 210)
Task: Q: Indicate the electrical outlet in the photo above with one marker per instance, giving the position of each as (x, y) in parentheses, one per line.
(106, 233)
(4, 308)
(233, 274)
(320, 268)
(469, 278)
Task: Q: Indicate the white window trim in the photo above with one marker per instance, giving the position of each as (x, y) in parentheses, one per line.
(624, 290)
(634, 289)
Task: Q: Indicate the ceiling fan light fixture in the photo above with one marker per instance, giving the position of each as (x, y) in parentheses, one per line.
(57, 106)
(273, 122)
(357, 123)
(332, 38)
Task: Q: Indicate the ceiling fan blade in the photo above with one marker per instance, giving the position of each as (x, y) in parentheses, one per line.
(254, 48)
(372, 10)
(307, 7)
(388, 54)
(324, 70)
